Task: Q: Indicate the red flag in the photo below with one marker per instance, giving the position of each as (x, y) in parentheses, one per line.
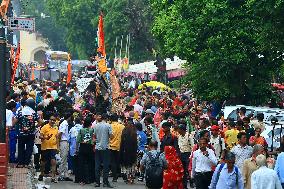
(101, 37)
(4, 7)
(69, 70)
(15, 65)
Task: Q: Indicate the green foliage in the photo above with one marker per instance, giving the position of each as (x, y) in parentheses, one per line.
(122, 17)
(46, 26)
(76, 16)
(229, 45)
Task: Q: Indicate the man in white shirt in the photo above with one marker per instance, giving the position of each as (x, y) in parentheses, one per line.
(203, 160)
(242, 150)
(64, 148)
(217, 141)
(264, 178)
(11, 108)
(148, 113)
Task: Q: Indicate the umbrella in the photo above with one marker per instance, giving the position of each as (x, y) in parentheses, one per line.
(154, 85)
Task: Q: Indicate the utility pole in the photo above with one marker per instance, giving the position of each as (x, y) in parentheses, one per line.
(8, 52)
(2, 83)
(3, 92)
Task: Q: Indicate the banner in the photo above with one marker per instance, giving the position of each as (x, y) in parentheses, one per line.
(69, 70)
(15, 64)
(101, 37)
(125, 64)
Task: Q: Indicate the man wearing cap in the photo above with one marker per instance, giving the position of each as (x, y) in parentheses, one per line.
(26, 85)
(217, 141)
(185, 143)
(148, 113)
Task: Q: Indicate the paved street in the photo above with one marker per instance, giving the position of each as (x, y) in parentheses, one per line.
(70, 185)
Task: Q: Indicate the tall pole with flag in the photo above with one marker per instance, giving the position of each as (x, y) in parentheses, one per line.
(69, 70)
(115, 54)
(101, 37)
(120, 54)
(101, 46)
(15, 64)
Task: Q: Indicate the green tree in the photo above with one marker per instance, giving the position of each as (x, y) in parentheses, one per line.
(122, 17)
(134, 17)
(225, 44)
(76, 16)
(45, 24)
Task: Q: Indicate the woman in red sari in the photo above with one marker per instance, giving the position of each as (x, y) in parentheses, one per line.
(173, 175)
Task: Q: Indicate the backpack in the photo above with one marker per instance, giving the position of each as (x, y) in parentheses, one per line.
(154, 172)
(26, 124)
(87, 136)
(236, 170)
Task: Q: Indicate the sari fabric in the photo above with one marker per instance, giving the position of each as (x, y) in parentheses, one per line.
(173, 175)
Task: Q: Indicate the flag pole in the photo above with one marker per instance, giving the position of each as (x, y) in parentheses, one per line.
(129, 48)
(115, 55)
(120, 54)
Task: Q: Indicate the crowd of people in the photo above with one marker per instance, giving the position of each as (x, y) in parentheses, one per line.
(165, 138)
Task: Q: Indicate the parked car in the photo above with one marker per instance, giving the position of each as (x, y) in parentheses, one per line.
(232, 111)
(268, 132)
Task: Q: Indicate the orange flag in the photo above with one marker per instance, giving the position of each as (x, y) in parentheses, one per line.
(15, 65)
(69, 70)
(101, 37)
(4, 7)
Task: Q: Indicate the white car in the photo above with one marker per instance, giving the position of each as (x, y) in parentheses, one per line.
(267, 134)
(231, 112)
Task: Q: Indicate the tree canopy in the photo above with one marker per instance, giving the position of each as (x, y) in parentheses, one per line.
(121, 18)
(233, 47)
(45, 24)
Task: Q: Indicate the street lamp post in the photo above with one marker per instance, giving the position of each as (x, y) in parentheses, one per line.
(2, 83)
(274, 122)
(10, 45)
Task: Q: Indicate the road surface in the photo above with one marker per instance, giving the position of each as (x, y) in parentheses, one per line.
(46, 184)
(70, 185)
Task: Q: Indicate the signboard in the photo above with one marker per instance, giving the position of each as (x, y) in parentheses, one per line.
(25, 24)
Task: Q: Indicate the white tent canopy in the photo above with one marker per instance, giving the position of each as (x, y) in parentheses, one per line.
(150, 67)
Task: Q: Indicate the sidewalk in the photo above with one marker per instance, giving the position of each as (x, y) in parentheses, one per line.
(19, 178)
